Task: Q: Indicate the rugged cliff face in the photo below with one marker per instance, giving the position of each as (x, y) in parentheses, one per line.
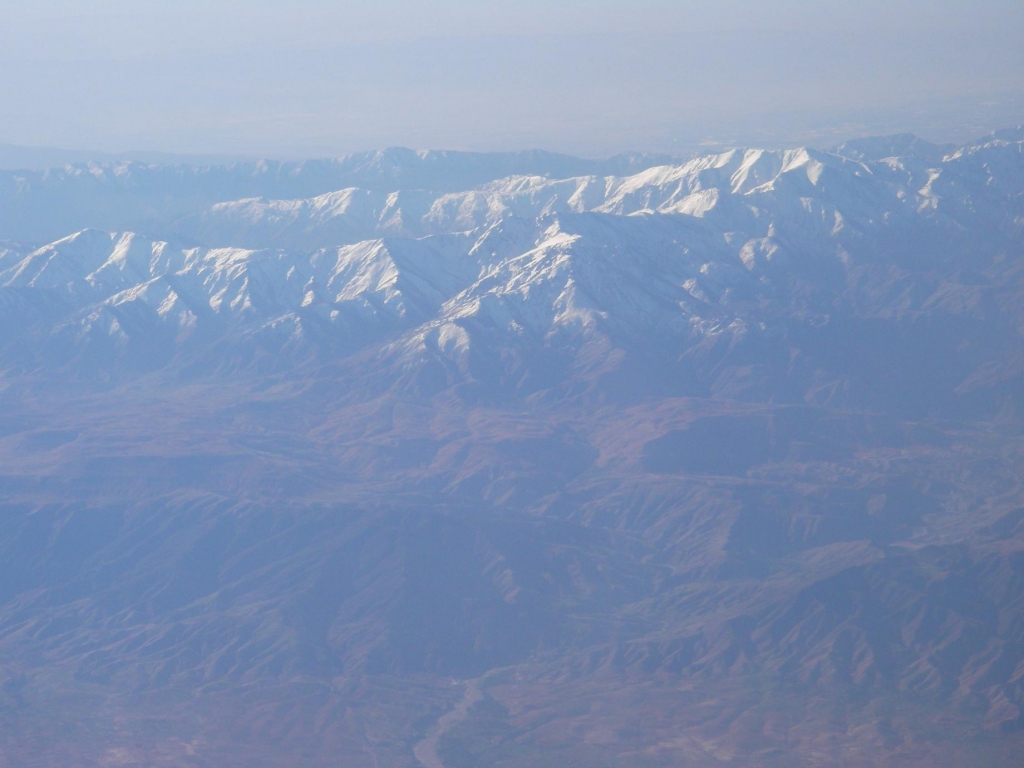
(600, 464)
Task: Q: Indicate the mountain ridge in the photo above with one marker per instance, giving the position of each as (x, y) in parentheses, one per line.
(722, 247)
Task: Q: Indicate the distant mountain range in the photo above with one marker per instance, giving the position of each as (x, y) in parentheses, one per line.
(47, 204)
(14, 157)
(445, 459)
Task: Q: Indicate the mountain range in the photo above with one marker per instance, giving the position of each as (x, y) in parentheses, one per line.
(456, 460)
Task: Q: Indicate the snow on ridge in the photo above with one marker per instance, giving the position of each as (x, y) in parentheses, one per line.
(693, 188)
(665, 250)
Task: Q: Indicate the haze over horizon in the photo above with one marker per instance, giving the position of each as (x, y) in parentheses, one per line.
(324, 79)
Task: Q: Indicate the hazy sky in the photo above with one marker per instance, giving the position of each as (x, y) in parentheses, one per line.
(313, 77)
